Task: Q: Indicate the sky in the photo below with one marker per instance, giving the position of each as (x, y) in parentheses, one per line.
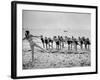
(54, 23)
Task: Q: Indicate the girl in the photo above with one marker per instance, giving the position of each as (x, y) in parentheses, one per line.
(46, 42)
(50, 43)
(30, 37)
(42, 39)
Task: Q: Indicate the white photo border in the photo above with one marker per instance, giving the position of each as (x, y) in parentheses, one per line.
(56, 71)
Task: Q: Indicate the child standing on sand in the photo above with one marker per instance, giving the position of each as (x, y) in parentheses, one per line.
(30, 37)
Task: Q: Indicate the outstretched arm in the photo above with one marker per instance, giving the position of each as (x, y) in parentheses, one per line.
(35, 36)
(24, 38)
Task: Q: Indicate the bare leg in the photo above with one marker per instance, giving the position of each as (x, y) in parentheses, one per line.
(43, 45)
(88, 47)
(46, 46)
(40, 47)
(49, 45)
(81, 46)
(76, 47)
(52, 45)
(56, 45)
(71, 46)
(85, 46)
(68, 47)
(32, 48)
(62, 44)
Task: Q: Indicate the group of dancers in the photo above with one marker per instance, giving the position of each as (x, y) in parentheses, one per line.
(61, 42)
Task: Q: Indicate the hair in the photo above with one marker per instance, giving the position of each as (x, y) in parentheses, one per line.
(26, 33)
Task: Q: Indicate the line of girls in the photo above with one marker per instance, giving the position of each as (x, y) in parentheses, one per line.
(71, 42)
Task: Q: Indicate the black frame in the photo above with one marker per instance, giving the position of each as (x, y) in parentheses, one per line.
(14, 38)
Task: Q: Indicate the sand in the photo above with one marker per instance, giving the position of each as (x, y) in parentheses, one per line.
(55, 59)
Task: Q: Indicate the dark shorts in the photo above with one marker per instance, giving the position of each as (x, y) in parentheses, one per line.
(57, 43)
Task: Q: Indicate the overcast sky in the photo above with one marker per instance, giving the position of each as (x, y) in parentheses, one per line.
(56, 22)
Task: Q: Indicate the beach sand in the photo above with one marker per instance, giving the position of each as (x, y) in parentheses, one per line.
(55, 59)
